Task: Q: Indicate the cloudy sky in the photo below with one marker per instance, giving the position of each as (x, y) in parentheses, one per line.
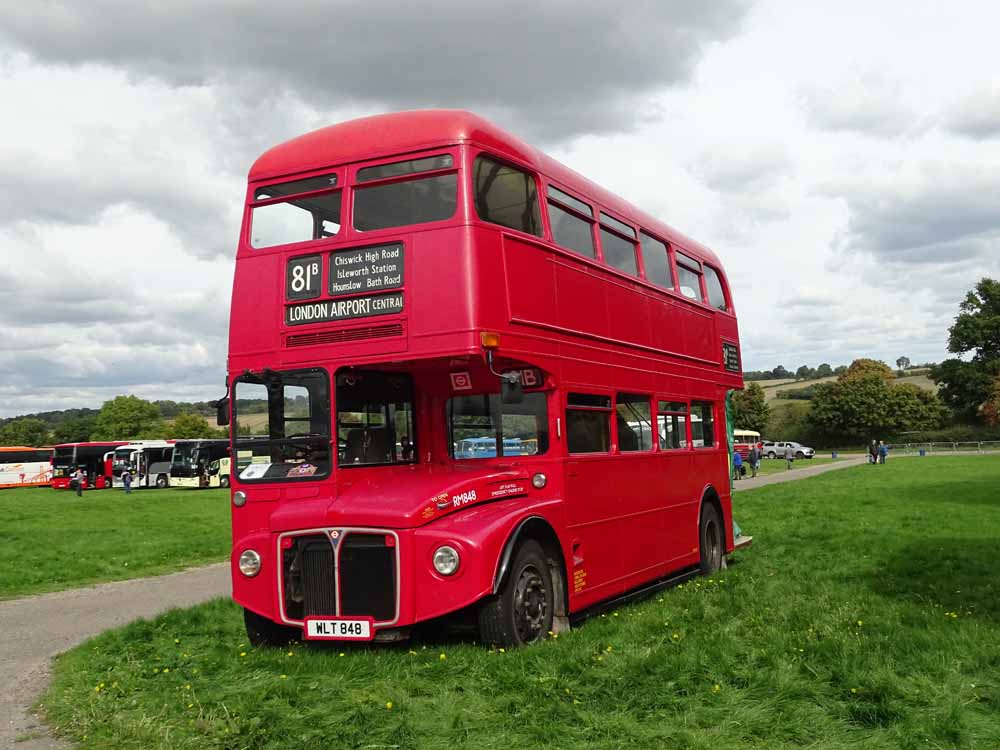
(842, 158)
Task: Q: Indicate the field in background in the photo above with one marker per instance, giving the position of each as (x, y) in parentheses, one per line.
(866, 615)
(52, 540)
(772, 387)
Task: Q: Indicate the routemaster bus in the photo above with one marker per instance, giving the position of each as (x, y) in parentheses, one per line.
(411, 285)
(22, 466)
(94, 458)
(200, 463)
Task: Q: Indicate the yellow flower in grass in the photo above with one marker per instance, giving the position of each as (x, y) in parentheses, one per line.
(442, 657)
(388, 705)
(243, 653)
(716, 688)
(283, 676)
(166, 670)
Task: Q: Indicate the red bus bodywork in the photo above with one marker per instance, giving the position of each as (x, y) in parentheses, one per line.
(616, 519)
(66, 457)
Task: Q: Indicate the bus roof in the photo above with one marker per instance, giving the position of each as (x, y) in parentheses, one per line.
(110, 443)
(404, 132)
(12, 448)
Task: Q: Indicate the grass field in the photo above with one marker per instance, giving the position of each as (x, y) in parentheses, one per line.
(52, 540)
(864, 616)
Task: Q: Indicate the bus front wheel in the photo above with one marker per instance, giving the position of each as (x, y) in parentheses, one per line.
(521, 611)
(710, 538)
(161, 481)
(264, 632)
(224, 482)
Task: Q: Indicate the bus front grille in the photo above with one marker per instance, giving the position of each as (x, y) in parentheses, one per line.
(368, 577)
(364, 567)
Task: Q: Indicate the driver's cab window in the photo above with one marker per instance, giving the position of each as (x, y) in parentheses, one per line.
(375, 419)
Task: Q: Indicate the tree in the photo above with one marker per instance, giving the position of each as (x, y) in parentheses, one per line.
(191, 426)
(966, 383)
(863, 367)
(750, 410)
(840, 370)
(804, 372)
(991, 409)
(902, 363)
(126, 418)
(824, 371)
(24, 431)
(74, 430)
(863, 406)
(780, 372)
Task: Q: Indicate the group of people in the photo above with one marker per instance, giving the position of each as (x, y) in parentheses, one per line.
(877, 453)
(752, 461)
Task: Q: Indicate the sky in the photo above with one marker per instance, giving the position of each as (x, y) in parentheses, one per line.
(843, 159)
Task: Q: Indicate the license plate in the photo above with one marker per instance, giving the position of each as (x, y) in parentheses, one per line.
(339, 628)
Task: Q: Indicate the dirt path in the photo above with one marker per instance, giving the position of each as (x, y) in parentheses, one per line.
(36, 628)
(792, 474)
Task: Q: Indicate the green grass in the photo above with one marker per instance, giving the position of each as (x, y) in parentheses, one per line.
(866, 615)
(52, 540)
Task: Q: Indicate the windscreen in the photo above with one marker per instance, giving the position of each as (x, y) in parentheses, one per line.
(62, 461)
(281, 423)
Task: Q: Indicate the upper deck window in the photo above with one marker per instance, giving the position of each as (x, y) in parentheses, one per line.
(569, 227)
(716, 295)
(400, 168)
(313, 216)
(618, 251)
(657, 261)
(397, 204)
(506, 196)
(689, 276)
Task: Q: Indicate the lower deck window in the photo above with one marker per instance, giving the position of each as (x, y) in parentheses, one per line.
(702, 424)
(671, 424)
(482, 426)
(588, 423)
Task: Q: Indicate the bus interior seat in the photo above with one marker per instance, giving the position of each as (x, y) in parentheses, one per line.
(362, 448)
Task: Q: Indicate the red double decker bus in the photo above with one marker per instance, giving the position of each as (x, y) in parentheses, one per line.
(465, 379)
(96, 460)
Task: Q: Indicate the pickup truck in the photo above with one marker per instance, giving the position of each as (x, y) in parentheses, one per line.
(773, 449)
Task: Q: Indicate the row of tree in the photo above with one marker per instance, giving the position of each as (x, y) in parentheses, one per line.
(121, 418)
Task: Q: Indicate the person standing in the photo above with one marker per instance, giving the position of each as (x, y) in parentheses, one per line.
(79, 478)
(737, 465)
(883, 451)
(789, 456)
(127, 481)
(753, 457)
(873, 453)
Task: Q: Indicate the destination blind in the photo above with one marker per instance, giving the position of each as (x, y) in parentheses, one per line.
(366, 269)
(327, 311)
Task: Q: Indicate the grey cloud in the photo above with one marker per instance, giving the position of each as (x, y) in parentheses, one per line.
(560, 68)
(978, 116)
(743, 168)
(946, 213)
(862, 102)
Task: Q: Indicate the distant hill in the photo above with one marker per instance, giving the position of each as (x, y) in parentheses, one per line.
(169, 410)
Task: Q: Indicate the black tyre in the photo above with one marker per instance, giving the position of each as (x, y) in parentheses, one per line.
(224, 482)
(800, 454)
(770, 454)
(161, 481)
(521, 613)
(711, 538)
(264, 632)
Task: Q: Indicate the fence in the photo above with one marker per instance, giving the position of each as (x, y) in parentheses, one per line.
(970, 446)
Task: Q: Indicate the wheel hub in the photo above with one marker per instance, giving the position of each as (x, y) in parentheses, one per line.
(530, 605)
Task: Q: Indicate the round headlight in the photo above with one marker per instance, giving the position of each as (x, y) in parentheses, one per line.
(538, 481)
(239, 498)
(249, 563)
(446, 560)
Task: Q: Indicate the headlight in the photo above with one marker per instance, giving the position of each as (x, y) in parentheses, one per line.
(249, 563)
(239, 498)
(538, 481)
(446, 560)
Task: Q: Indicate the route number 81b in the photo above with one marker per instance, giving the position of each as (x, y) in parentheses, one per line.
(304, 277)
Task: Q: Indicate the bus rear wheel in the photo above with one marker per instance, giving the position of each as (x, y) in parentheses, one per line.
(263, 632)
(711, 541)
(521, 612)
